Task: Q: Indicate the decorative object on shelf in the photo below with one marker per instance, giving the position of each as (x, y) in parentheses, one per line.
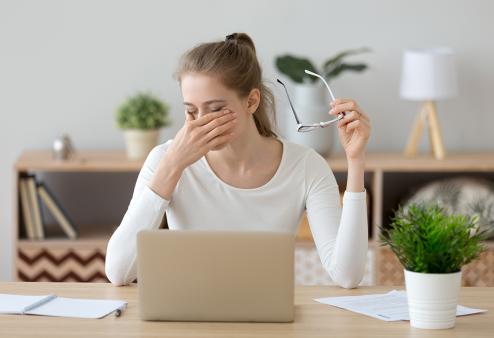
(433, 246)
(464, 195)
(141, 116)
(428, 75)
(62, 147)
(310, 98)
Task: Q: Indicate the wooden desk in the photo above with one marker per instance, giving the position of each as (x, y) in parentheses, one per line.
(311, 320)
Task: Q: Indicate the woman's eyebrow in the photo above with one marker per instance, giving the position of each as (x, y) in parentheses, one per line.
(207, 102)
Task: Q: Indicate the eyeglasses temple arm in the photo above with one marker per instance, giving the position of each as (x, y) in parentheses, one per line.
(324, 80)
(336, 119)
(289, 101)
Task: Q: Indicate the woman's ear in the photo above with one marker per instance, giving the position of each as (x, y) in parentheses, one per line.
(253, 100)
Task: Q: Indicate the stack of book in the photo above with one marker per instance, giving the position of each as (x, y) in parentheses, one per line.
(32, 193)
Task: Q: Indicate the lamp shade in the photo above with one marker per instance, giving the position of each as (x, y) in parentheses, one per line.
(428, 74)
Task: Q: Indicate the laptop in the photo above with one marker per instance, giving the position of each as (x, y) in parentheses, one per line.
(228, 276)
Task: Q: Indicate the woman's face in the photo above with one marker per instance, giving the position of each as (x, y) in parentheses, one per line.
(204, 94)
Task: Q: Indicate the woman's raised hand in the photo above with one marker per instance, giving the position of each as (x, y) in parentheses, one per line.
(193, 140)
(198, 136)
(354, 129)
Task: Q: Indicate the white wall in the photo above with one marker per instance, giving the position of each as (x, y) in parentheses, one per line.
(65, 65)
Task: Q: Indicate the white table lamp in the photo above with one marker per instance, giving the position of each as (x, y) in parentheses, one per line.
(428, 75)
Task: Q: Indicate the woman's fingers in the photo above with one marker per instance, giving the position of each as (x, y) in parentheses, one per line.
(363, 127)
(365, 122)
(222, 129)
(205, 119)
(340, 107)
(218, 121)
(352, 125)
(219, 140)
(349, 117)
(351, 109)
(365, 118)
(340, 101)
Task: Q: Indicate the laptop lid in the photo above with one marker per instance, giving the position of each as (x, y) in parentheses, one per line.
(216, 275)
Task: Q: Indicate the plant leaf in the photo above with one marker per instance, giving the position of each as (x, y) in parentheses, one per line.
(338, 57)
(356, 67)
(425, 238)
(293, 67)
(142, 111)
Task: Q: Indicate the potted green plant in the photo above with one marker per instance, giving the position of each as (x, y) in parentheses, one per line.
(141, 117)
(310, 96)
(433, 246)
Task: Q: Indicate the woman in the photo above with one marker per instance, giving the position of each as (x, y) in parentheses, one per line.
(227, 169)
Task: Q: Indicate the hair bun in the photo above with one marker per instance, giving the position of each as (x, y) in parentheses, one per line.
(241, 38)
(231, 37)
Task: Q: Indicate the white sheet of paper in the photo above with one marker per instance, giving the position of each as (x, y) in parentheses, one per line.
(78, 308)
(15, 304)
(391, 306)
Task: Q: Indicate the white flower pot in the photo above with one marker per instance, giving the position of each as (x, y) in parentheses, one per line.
(432, 299)
(312, 106)
(140, 142)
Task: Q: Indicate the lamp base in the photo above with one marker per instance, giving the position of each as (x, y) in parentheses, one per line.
(427, 115)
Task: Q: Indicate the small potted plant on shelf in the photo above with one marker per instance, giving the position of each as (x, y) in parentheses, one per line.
(432, 246)
(141, 116)
(310, 95)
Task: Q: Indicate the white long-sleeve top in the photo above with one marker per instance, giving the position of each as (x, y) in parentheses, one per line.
(201, 200)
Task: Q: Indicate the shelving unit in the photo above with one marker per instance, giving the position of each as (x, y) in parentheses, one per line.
(60, 259)
(388, 178)
(393, 177)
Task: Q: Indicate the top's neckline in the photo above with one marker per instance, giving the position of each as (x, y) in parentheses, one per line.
(269, 182)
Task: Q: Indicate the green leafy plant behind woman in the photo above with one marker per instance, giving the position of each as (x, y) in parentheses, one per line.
(142, 111)
(426, 239)
(293, 66)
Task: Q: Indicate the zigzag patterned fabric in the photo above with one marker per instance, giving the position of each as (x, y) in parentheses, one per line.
(61, 265)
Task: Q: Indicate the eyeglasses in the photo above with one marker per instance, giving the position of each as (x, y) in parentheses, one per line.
(301, 128)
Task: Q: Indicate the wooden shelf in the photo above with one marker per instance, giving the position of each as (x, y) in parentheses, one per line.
(80, 161)
(64, 243)
(397, 162)
(89, 234)
(116, 160)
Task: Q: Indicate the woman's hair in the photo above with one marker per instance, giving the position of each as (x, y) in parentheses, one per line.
(234, 61)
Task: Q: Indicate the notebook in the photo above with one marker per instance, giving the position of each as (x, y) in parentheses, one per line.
(51, 305)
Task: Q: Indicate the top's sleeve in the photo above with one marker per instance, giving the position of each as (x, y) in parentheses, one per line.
(145, 211)
(340, 235)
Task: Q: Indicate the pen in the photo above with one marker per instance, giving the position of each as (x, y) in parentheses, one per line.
(39, 303)
(118, 312)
